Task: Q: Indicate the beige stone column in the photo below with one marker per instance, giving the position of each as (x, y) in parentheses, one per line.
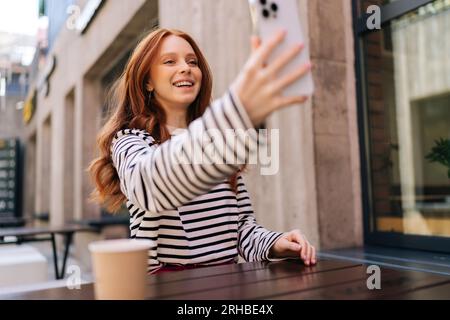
(69, 157)
(87, 105)
(335, 124)
(43, 165)
(57, 177)
(38, 160)
(29, 179)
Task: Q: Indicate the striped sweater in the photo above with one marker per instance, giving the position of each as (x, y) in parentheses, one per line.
(186, 206)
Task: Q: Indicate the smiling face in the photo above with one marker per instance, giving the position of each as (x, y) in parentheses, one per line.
(175, 76)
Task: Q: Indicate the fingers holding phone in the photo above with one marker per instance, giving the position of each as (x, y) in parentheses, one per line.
(260, 84)
(255, 42)
(269, 17)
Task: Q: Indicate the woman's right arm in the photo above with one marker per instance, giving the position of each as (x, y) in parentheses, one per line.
(167, 176)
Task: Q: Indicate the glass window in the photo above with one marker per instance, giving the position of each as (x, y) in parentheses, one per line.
(407, 95)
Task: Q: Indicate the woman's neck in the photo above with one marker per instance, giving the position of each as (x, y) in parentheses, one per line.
(174, 130)
(176, 124)
(176, 118)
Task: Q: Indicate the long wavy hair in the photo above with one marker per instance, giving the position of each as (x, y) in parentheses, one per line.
(132, 106)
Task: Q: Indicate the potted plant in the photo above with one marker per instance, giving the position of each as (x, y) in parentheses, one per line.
(441, 153)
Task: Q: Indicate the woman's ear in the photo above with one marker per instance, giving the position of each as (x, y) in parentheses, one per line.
(149, 86)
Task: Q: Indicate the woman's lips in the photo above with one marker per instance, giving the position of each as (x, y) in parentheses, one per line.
(186, 88)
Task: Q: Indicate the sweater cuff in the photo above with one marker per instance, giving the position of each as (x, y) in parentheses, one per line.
(240, 109)
(270, 245)
(259, 137)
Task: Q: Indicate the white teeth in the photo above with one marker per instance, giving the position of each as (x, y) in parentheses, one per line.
(183, 83)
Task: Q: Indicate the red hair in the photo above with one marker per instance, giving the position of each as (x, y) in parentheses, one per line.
(134, 107)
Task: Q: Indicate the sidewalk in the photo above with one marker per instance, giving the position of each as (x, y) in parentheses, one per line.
(45, 249)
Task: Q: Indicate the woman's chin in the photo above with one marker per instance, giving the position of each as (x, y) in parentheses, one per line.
(186, 99)
(184, 103)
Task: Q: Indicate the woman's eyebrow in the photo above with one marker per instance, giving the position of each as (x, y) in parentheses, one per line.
(174, 54)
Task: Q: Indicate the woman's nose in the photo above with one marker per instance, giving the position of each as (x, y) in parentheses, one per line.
(185, 68)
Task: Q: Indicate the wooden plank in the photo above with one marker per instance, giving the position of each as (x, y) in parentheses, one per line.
(206, 272)
(86, 292)
(175, 276)
(393, 283)
(434, 292)
(258, 284)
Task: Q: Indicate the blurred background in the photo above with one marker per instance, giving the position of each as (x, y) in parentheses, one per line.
(364, 165)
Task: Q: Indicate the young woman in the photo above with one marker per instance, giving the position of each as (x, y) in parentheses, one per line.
(197, 212)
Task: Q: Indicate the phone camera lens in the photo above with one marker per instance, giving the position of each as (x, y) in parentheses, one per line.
(274, 7)
(263, 2)
(265, 13)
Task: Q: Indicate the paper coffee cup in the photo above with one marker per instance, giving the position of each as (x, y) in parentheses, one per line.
(120, 268)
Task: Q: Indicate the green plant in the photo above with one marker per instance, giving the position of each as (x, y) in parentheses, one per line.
(441, 153)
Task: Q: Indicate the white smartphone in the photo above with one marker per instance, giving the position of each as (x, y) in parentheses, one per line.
(270, 16)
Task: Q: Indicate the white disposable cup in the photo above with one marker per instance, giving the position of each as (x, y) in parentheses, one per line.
(120, 268)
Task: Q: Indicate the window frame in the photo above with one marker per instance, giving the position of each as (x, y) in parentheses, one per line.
(371, 236)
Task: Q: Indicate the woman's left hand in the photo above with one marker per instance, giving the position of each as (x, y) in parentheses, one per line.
(294, 244)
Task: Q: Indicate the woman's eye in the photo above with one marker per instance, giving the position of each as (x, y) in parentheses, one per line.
(193, 62)
(168, 62)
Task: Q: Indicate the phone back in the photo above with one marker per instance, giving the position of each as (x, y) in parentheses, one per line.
(270, 16)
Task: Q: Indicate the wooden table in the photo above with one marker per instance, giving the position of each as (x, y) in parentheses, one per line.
(288, 280)
(34, 234)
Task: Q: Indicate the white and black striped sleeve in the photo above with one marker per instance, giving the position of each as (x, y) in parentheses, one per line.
(166, 176)
(254, 241)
